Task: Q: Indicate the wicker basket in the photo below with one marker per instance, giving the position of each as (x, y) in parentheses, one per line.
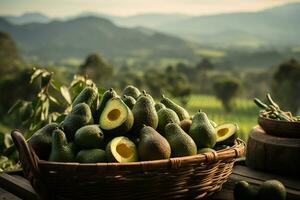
(190, 177)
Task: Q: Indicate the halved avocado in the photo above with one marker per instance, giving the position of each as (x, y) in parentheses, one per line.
(121, 149)
(116, 118)
(226, 133)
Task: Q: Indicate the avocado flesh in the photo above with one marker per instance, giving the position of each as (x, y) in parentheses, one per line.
(226, 133)
(121, 149)
(106, 96)
(116, 117)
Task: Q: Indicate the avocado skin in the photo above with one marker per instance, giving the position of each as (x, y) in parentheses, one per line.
(144, 114)
(205, 150)
(202, 132)
(106, 96)
(129, 101)
(181, 143)
(60, 149)
(132, 91)
(89, 96)
(91, 156)
(159, 106)
(244, 191)
(41, 141)
(180, 111)
(80, 116)
(153, 146)
(89, 137)
(272, 190)
(165, 116)
(186, 124)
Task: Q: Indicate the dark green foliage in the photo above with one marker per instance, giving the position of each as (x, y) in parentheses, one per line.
(97, 68)
(226, 90)
(286, 81)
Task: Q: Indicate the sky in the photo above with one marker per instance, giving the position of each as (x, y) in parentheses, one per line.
(61, 8)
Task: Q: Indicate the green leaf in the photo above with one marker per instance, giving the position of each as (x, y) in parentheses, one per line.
(36, 74)
(55, 85)
(16, 106)
(54, 100)
(66, 94)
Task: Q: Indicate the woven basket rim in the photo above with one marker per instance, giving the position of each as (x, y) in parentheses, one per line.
(231, 152)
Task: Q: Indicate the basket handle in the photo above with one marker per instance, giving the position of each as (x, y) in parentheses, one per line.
(26, 153)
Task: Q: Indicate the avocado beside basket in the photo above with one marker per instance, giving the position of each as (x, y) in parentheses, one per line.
(191, 176)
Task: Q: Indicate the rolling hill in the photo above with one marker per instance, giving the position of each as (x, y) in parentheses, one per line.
(78, 37)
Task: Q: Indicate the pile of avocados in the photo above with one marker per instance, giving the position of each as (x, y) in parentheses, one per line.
(128, 128)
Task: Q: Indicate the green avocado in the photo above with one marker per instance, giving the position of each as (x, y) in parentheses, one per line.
(91, 156)
(226, 134)
(205, 150)
(244, 191)
(272, 190)
(89, 96)
(89, 137)
(165, 116)
(181, 143)
(180, 111)
(132, 91)
(116, 118)
(202, 132)
(186, 124)
(159, 106)
(129, 101)
(80, 116)
(121, 149)
(153, 146)
(144, 113)
(41, 141)
(107, 95)
(60, 149)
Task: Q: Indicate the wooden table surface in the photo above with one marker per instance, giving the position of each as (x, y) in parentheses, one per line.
(15, 187)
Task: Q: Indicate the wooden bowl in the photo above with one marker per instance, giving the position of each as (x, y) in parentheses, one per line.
(280, 128)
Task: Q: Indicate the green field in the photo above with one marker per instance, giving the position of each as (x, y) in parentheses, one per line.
(244, 114)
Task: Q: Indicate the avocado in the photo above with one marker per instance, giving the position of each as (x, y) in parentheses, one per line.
(80, 116)
(159, 106)
(186, 124)
(272, 190)
(89, 137)
(165, 116)
(226, 134)
(60, 149)
(89, 96)
(180, 142)
(121, 149)
(91, 156)
(244, 191)
(144, 93)
(180, 111)
(132, 91)
(205, 150)
(116, 118)
(129, 101)
(144, 113)
(214, 124)
(107, 95)
(41, 141)
(202, 132)
(153, 146)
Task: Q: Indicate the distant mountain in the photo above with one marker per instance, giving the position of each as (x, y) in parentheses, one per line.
(28, 18)
(79, 37)
(278, 26)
